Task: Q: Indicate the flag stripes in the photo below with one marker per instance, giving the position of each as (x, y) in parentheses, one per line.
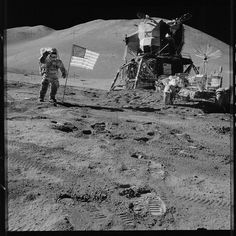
(83, 58)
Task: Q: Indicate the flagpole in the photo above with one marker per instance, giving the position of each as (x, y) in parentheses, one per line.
(67, 74)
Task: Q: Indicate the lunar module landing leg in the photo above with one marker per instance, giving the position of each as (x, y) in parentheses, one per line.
(135, 74)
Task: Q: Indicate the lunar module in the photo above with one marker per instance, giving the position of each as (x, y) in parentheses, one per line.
(152, 53)
(154, 60)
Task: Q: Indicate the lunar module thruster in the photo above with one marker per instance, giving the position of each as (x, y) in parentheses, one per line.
(153, 52)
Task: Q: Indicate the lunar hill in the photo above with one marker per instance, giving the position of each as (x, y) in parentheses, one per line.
(103, 36)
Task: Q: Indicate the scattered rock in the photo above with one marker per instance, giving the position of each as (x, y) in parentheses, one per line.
(120, 185)
(131, 206)
(200, 229)
(99, 127)
(129, 192)
(126, 106)
(39, 117)
(188, 138)
(134, 191)
(123, 167)
(66, 127)
(175, 131)
(200, 147)
(186, 154)
(67, 201)
(185, 136)
(94, 95)
(93, 165)
(139, 155)
(155, 165)
(151, 133)
(84, 198)
(222, 130)
(90, 192)
(87, 131)
(64, 195)
(117, 136)
(148, 123)
(63, 225)
(31, 196)
(142, 139)
(130, 121)
(227, 159)
(115, 123)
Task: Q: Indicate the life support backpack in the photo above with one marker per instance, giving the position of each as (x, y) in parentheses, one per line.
(48, 51)
(44, 52)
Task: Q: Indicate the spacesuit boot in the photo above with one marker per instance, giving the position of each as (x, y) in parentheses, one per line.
(43, 90)
(54, 88)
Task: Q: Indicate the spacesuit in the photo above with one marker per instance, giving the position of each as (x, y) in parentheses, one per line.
(223, 98)
(169, 94)
(49, 65)
(170, 90)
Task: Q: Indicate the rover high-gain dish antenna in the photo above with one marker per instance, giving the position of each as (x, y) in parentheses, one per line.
(206, 53)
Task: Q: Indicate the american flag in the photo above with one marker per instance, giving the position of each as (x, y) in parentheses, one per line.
(83, 58)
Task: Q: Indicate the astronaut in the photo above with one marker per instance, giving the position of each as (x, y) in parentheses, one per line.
(170, 90)
(49, 65)
(223, 98)
(169, 94)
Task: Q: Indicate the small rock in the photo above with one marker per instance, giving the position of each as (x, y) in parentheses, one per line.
(148, 123)
(118, 136)
(66, 127)
(130, 121)
(67, 201)
(137, 155)
(87, 131)
(115, 123)
(92, 165)
(201, 228)
(131, 205)
(63, 225)
(151, 133)
(121, 185)
(123, 167)
(142, 139)
(30, 197)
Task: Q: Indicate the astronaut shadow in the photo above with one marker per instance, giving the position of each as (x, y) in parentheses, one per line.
(206, 106)
(95, 107)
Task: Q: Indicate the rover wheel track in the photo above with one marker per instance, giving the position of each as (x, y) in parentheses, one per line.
(204, 200)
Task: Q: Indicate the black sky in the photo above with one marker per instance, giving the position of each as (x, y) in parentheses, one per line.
(210, 16)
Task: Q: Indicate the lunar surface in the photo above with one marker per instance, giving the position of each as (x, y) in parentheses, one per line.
(118, 160)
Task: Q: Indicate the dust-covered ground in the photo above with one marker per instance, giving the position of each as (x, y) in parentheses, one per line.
(115, 161)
